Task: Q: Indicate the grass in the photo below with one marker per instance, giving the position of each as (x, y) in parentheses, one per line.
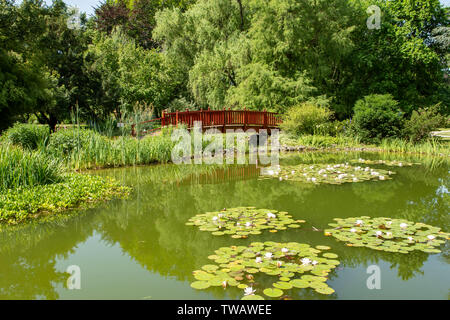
(96, 151)
(431, 147)
(75, 190)
(22, 168)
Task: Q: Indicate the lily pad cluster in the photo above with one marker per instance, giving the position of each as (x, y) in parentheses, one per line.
(243, 221)
(391, 235)
(326, 173)
(391, 163)
(296, 265)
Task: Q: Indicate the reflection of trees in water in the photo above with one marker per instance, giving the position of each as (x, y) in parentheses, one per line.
(28, 256)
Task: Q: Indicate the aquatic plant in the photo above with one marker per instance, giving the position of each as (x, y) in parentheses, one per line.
(297, 265)
(75, 190)
(243, 221)
(391, 163)
(386, 234)
(325, 173)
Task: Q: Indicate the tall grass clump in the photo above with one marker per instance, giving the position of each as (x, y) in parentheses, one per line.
(30, 136)
(86, 149)
(22, 168)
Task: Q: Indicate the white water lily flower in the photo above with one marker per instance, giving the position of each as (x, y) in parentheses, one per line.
(381, 177)
(249, 291)
(410, 238)
(431, 237)
(248, 224)
(389, 223)
(258, 260)
(215, 218)
(220, 215)
(279, 263)
(271, 215)
(403, 225)
(374, 173)
(281, 179)
(270, 172)
(313, 179)
(305, 261)
(268, 255)
(285, 250)
(325, 176)
(400, 164)
(359, 222)
(353, 230)
(389, 234)
(314, 262)
(378, 233)
(355, 179)
(224, 283)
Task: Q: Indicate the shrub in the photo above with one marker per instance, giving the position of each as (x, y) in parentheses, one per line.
(21, 168)
(421, 123)
(376, 117)
(305, 118)
(29, 136)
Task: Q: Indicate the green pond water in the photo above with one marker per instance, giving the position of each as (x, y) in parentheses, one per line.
(140, 248)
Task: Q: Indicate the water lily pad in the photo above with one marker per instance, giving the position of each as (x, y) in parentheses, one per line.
(252, 297)
(325, 173)
(386, 234)
(273, 292)
(241, 222)
(200, 285)
(242, 265)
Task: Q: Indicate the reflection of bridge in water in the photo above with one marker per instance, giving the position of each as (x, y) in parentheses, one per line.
(220, 175)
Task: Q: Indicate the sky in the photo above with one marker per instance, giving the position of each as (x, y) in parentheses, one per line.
(89, 5)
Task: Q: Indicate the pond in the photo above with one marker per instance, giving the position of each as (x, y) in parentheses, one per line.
(141, 248)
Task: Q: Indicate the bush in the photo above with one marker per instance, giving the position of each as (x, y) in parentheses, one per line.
(306, 118)
(20, 168)
(29, 136)
(421, 123)
(65, 141)
(376, 117)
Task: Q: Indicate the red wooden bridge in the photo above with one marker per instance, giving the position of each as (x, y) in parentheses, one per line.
(220, 119)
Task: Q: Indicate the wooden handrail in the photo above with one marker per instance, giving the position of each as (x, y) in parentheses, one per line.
(220, 119)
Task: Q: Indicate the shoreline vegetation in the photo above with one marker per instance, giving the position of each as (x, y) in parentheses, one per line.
(40, 172)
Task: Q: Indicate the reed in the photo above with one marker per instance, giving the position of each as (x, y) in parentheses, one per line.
(22, 168)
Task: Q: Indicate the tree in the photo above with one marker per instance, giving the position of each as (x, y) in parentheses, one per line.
(129, 73)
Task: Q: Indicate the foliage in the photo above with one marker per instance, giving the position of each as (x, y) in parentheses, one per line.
(243, 221)
(19, 168)
(421, 123)
(18, 205)
(66, 141)
(377, 117)
(305, 118)
(392, 235)
(129, 73)
(239, 265)
(81, 148)
(325, 173)
(135, 17)
(28, 135)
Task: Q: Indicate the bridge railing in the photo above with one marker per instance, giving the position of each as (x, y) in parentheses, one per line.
(217, 118)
